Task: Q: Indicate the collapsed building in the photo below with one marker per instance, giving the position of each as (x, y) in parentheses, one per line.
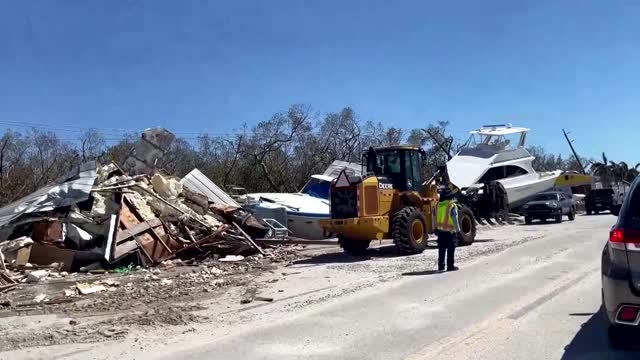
(106, 216)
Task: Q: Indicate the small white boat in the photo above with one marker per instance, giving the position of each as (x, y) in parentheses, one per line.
(303, 209)
(301, 212)
(489, 156)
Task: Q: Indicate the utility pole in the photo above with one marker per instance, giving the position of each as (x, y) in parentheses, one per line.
(566, 136)
(446, 149)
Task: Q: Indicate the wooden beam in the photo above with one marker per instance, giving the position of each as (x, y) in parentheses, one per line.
(137, 229)
(249, 239)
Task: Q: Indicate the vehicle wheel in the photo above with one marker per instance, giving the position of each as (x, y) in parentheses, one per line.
(467, 226)
(353, 247)
(618, 337)
(528, 220)
(410, 230)
(596, 212)
(589, 212)
(543, 220)
(558, 218)
(572, 214)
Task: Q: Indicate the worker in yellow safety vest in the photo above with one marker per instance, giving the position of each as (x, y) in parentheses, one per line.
(447, 228)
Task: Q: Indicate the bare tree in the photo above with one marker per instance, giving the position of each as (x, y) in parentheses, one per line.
(92, 144)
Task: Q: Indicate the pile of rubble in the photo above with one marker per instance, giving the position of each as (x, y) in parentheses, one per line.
(118, 217)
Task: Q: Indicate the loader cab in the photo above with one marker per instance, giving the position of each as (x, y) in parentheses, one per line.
(401, 166)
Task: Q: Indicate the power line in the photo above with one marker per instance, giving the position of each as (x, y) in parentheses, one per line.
(80, 129)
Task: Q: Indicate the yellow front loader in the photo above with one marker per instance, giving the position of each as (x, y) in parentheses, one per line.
(391, 201)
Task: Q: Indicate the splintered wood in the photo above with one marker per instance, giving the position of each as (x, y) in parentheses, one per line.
(136, 233)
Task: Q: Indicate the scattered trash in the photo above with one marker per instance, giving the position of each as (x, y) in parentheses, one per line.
(86, 289)
(40, 298)
(107, 282)
(232, 258)
(166, 282)
(215, 271)
(151, 278)
(70, 292)
(73, 322)
(250, 295)
(37, 275)
(124, 269)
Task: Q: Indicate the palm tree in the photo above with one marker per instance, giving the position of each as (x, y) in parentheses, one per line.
(605, 170)
(633, 173)
(620, 171)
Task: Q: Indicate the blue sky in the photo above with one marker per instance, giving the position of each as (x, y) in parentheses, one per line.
(210, 66)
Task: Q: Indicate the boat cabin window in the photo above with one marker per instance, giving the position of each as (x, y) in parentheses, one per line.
(317, 188)
(513, 171)
(502, 172)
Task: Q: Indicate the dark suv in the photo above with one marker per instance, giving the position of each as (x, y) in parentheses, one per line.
(547, 205)
(621, 269)
(599, 200)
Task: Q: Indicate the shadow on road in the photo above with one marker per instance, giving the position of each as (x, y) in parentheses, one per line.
(421, 273)
(591, 342)
(484, 240)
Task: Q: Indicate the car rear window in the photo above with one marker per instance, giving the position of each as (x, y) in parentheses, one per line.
(632, 213)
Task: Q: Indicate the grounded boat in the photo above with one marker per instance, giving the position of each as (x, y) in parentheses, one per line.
(301, 212)
(489, 156)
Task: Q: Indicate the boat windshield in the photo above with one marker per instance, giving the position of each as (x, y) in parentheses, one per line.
(496, 142)
(317, 188)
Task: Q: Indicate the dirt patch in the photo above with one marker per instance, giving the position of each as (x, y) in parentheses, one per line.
(139, 299)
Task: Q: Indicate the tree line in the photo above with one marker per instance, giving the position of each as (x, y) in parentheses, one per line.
(278, 154)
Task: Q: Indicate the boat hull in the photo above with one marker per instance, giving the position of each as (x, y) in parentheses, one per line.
(520, 193)
(307, 226)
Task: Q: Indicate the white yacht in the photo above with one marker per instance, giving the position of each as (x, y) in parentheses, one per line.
(490, 155)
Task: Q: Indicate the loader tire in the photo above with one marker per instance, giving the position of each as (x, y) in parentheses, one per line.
(467, 233)
(353, 247)
(410, 233)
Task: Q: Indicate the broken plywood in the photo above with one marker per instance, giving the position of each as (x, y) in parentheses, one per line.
(136, 233)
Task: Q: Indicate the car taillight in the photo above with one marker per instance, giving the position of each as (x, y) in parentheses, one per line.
(627, 314)
(616, 236)
(625, 239)
(624, 236)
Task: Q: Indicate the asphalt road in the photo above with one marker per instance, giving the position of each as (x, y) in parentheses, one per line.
(539, 300)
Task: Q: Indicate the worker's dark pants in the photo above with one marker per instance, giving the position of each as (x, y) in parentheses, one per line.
(446, 245)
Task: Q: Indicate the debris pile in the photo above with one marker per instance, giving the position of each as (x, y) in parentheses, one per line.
(112, 216)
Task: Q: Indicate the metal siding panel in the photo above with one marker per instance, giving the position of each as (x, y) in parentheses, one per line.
(199, 182)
